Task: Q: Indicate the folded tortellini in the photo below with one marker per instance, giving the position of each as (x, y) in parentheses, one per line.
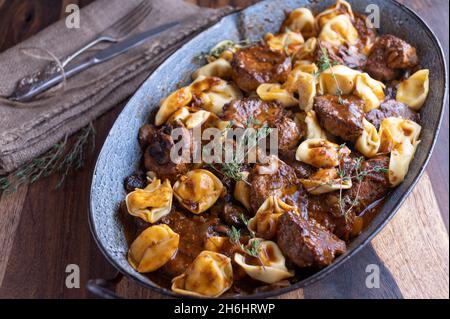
(369, 142)
(370, 91)
(220, 68)
(264, 223)
(400, 137)
(151, 203)
(154, 247)
(190, 117)
(394, 130)
(275, 92)
(339, 31)
(213, 93)
(242, 191)
(341, 7)
(325, 180)
(319, 153)
(307, 50)
(198, 190)
(414, 91)
(209, 275)
(173, 103)
(402, 155)
(269, 266)
(338, 78)
(288, 42)
(300, 20)
(313, 129)
(304, 83)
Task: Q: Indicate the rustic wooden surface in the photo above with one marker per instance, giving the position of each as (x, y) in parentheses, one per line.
(43, 230)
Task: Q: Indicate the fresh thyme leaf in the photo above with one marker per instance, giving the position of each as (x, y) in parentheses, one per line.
(380, 170)
(244, 219)
(235, 235)
(254, 249)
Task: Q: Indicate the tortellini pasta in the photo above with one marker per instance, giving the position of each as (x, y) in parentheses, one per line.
(339, 8)
(275, 92)
(370, 91)
(264, 223)
(219, 68)
(401, 156)
(269, 266)
(325, 180)
(307, 50)
(369, 142)
(400, 137)
(319, 153)
(300, 20)
(173, 103)
(213, 93)
(190, 117)
(339, 31)
(242, 191)
(289, 42)
(151, 203)
(304, 84)
(313, 129)
(154, 247)
(414, 91)
(198, 190)
(338, 78)
(394, 130)
(209, 275)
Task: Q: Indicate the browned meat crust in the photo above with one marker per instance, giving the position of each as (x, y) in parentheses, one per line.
(307, 243)
(258, 64)
(391, 108)
(389, 56)
(344, 120)
(272, 114)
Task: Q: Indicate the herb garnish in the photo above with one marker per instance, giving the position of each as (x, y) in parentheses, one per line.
(324, 64)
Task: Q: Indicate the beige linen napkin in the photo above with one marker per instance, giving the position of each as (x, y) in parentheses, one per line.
(29, 129)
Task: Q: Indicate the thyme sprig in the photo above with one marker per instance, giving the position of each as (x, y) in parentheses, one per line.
(217, 51)
(63, 157)
(324, 64)
(359, 175)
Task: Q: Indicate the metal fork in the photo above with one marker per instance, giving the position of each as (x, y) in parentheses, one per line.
(117, 31)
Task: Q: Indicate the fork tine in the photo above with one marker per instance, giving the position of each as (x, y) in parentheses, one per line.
(129, 16)
(135, 21)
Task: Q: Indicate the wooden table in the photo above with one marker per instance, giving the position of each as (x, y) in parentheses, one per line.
(42, 230)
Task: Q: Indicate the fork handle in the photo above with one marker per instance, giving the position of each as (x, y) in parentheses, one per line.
(80, 51)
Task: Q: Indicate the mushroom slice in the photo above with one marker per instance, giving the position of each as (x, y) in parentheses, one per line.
(325, 181)
(414, 91)
(198, 190)
(151, 203)
(242, 191)
(264, 224)
(269, 266)
(209, 275)
(319, 153)
(154, 247)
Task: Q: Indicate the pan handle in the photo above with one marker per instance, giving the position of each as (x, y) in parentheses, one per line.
(104, 288)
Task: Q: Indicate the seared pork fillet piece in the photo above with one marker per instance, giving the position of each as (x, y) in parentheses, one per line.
(391, 108)
(258, 64)
(389, 56)
(270, 113)
(307, 243)
(344, 120)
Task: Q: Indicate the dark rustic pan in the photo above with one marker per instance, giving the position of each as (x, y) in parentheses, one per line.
(120, 154)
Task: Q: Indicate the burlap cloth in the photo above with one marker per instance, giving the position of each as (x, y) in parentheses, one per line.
(29, 129)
